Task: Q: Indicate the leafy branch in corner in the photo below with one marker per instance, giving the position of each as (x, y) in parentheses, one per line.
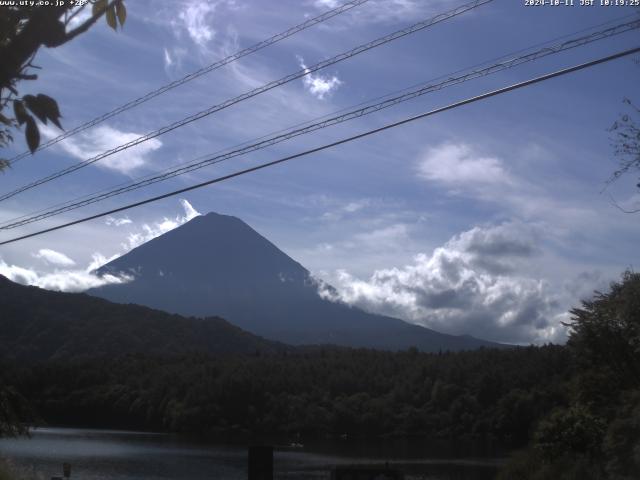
(23, 30)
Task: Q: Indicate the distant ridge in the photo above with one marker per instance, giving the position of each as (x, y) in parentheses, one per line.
(218, 265)
(40, 325)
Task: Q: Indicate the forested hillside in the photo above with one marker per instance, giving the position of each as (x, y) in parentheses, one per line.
(40, 325)
(497, 393)
(596, 433)
(574, 409)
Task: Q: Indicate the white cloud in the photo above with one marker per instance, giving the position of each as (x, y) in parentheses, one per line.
(64, 280)
(319, 86)
(82, 16)
(189, 212)
(457, 166)
(476, 283)
(102, 138)
(498, 249)
(98, 260)
(53, 257)
(168, 61)
(195, 18)
(346, 209)
(386, 11)
(77, 280)
(388, 236)
(118, 222)
(352, 207)
(151, 231)
(326, 3)
(529, 190)
(173, 59)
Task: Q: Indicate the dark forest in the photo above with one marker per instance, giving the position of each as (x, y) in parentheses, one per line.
(569, 410)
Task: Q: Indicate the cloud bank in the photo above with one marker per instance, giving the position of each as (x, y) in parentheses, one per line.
(61, 280)
(476, 283)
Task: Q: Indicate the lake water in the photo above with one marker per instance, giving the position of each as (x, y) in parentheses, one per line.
(120, 455)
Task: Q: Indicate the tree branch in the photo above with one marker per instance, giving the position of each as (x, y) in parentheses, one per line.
(617, 205)
(89, 22)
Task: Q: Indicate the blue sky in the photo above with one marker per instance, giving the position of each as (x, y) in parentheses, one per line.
(487, 220)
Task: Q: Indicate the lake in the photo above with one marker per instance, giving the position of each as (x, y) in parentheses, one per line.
(123, 455)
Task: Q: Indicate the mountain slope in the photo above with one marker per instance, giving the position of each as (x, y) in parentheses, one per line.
(217, 264)
(39, 324)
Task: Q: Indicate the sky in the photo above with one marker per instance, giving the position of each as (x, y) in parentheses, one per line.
(493, 219)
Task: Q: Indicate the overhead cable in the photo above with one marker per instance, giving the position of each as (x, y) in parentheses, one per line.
(196, 74)
(502, 64)
(252, 93)
(451, 106)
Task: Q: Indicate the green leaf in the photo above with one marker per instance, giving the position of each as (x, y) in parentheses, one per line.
(98, 7)
(111, 18)
(34, 105)
(44, 107)
(50, 108)
(121, 11)
(20, 112)
(32, 134)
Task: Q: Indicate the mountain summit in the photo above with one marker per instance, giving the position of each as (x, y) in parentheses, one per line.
(218, 265)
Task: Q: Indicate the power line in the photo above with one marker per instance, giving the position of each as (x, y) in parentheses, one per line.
(504, 63)
(198, 73)
(451, 106)
(252, 93)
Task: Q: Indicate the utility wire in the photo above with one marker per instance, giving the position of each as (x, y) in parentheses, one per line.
(559, 46)
(451, 106)
(316, 119)
(198, 73)
(504, 63)
(252, 93)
